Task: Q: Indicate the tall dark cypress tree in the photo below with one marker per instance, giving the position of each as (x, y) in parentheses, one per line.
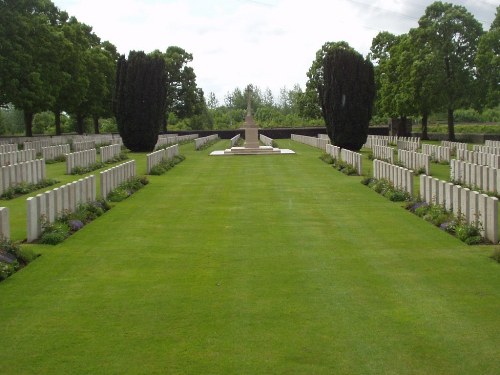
(139, 99)
(346, 93)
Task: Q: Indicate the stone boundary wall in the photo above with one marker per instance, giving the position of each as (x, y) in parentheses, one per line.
(37, 145)
(352, 158)
(266, 140)
(54, 203)
(109, 152)
(84, 146)
(480, 176)
(486, 149)
(311, 141)
(323, 136)
(333, 151)
(4, 222)
(15, 157)
(235, 140)
(401, 178)
(481, 158)
(414, 160)
(454, 145)
(8, 147)
(156, 157)
(437, 153)
(199, 142)
(492, 143)
(383, 152)
(376, 140)
(52, 152)
(30, 172)
(473, 206)
(80, 159)
(112, 178)
(407, 145)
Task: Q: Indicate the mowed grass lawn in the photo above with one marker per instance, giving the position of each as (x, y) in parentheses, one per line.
(254, 265)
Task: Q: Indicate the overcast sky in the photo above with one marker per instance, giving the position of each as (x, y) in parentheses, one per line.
(270, 43)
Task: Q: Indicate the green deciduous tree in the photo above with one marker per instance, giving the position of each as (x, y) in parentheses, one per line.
(28, 52)
(488, 65)
(346, 90)
(452, 34)
(139, 99)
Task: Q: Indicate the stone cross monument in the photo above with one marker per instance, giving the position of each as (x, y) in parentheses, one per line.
(251, 130)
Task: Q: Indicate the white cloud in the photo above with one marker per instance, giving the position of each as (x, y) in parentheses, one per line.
(270, 43)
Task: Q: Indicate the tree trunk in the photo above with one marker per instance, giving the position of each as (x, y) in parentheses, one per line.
(79, 123)
(28, 123)
(402, 127)
(425, 135)
(451, 125)
(57, 116)
(96, 124)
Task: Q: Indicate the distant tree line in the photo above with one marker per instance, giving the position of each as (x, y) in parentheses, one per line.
(448, 62)
(56, 70)
(57, 75)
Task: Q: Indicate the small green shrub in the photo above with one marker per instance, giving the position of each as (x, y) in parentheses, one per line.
(367, 180)
(26, 188)
(469, 233)
(57, 159)
(127, 188)
(327, 158)
(7, 269)
(166, 165)
(84, 170)
(54, 233)
(496, 254)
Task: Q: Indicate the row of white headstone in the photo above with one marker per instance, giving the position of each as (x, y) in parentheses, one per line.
(235, 140)
(408, 146)
(109, 152)
(15, 157)
(56, 202)
(37, 145)
(8, 148)
(480, 158)
(376, 140)
(113, 177)
(383, 152)
(4, 222)
(200, 142)
(474, 175)
(350, 157)
(52, 140)
(83, 146)
(492, 143)
(436, 152)
(266, 140)
(31, 172)
(53, 152)
(454, 146)
(311, 141)
(486, 149)
(414, 160)
(157, 157)
(170, 139)
(80, 159)
(401, 178)
(473, 207)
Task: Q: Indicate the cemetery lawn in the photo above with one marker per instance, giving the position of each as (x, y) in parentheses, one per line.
(254, 265)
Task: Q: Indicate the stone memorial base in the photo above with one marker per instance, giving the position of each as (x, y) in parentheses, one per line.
(262, 150)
